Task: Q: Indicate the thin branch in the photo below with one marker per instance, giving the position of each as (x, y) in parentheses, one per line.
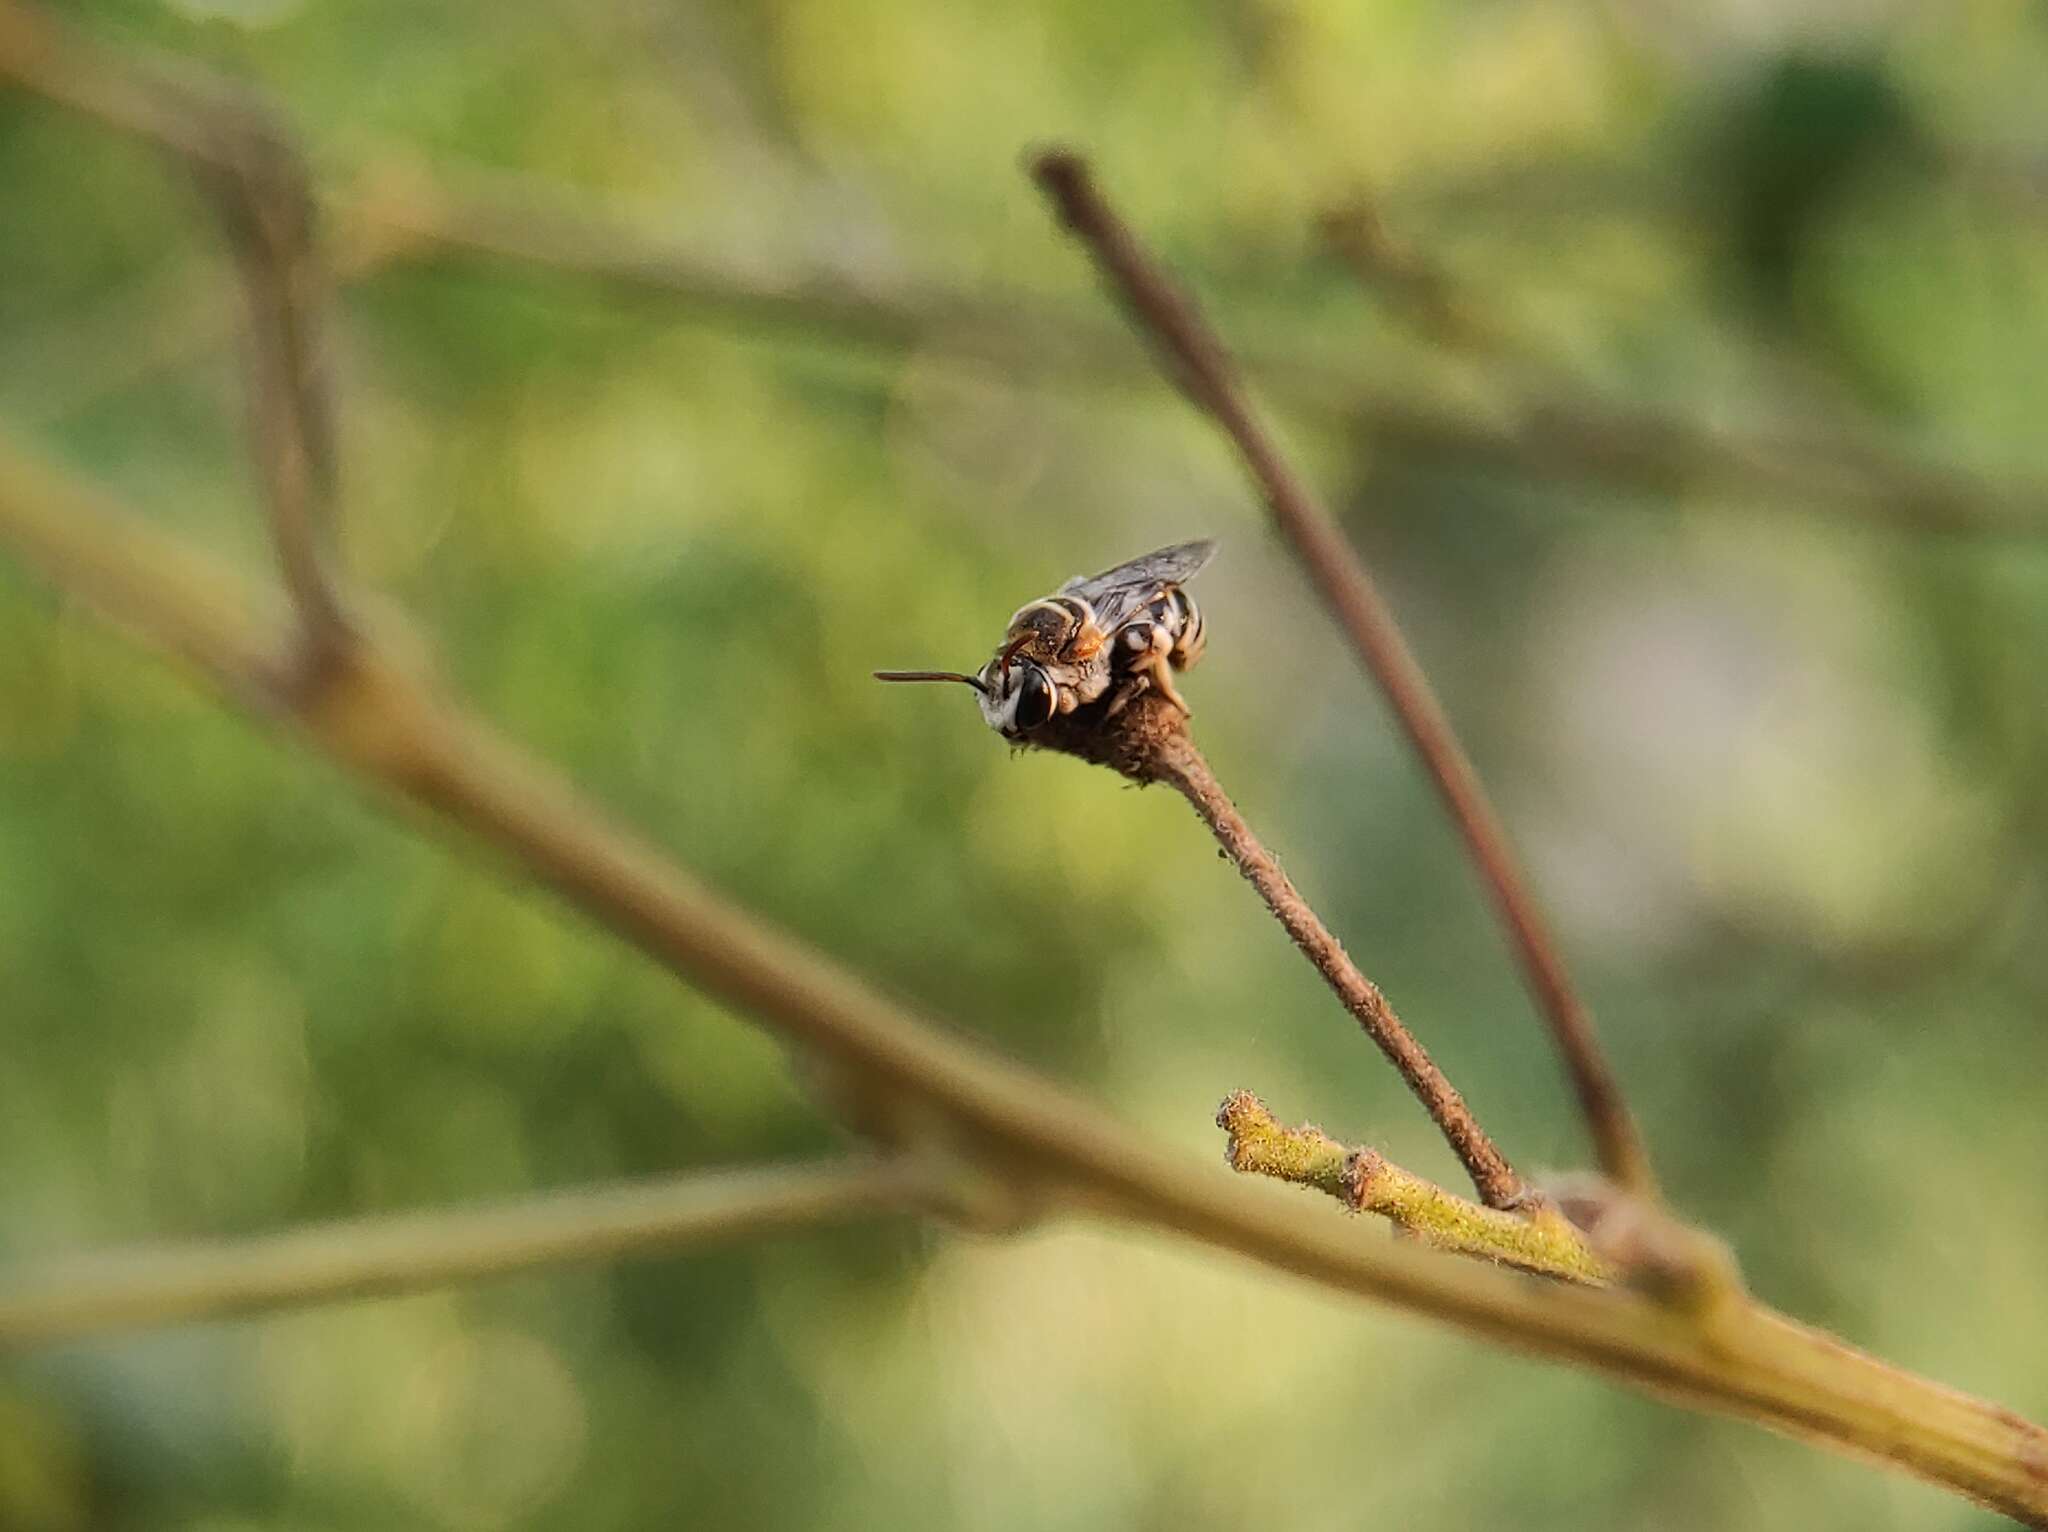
(1148, 741)
(1197, 360)
(416, 211)
(1366, 1181)
(411, 1252)
(409, 209)
(49, 56)
(402, 209)
(1418, 290)
(81, 356)
(1172, 757)
(391, 729)
(243, 155)
(268, 211)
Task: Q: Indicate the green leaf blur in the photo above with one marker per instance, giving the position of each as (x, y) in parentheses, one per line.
(1768, 728)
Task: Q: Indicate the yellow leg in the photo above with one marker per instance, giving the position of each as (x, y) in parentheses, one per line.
(1126, 694)
(1162, 682)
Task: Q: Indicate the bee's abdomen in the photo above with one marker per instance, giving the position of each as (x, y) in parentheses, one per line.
(1174, 616)
(1169, 627)
(1189, 631)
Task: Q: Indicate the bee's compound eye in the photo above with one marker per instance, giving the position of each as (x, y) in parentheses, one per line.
(1037, 698)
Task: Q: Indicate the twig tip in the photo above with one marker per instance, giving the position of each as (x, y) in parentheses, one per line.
(1056, 165)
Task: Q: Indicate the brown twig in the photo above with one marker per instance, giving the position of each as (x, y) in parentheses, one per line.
(411, 1252)
(1366, 1181)
(1149, 742)
(1197, 360)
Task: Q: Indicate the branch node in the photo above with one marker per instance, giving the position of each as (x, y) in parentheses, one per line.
(972, 1181)
(1682, 1267)
(364, 704)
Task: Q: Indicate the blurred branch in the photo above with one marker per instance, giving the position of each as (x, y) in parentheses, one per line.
(407, 209)
(1368, 1182)
(1419, 291)
(268, 211)
(246, 160)
(1175, 760)
(403, 210)
(410, 210)
(83, 355)
(403, 1253)
(160, 101)
(1197, 361)
(391, 728)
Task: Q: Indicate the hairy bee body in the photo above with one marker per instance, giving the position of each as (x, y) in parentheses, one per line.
(1098, 639)
(1061, 635)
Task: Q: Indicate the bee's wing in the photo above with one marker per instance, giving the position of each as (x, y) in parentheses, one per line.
(1116, 593)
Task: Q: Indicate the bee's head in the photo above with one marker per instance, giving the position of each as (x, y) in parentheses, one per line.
(1017, 695)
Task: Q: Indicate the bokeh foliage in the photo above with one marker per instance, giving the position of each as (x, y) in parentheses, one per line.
(1774, 754)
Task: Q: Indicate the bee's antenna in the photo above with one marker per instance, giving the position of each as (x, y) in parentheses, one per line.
(931, 675)
(1010, 650)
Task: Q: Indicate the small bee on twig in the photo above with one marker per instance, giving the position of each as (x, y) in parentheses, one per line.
(1110, 636)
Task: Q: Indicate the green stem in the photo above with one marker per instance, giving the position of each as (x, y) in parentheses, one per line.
(1366, 1181)
(413, 1252)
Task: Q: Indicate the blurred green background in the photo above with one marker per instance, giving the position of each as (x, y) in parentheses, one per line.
(1690, 408)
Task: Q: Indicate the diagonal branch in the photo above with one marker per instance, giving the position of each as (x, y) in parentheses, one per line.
(412, 1252)
(392, 730)
(1176, 761)
(1198, 362)
(1148, 741)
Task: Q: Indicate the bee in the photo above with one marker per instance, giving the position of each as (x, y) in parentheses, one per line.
(1110, 636)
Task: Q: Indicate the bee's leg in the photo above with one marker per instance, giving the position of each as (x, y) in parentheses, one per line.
(1192, 638)
(1136, 640)
(1161, 675)
(1133, 688)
